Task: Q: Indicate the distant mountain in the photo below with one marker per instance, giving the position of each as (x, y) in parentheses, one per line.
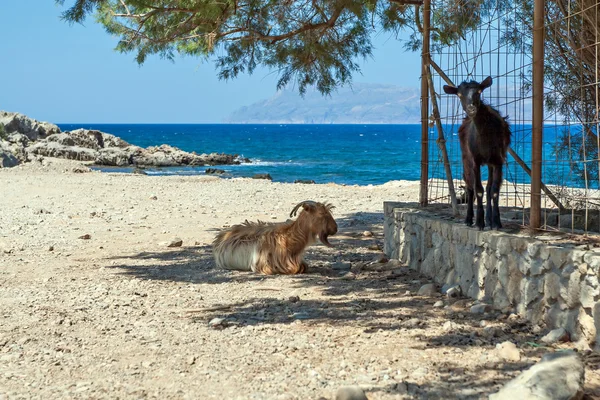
(364, 103)
(361, 104)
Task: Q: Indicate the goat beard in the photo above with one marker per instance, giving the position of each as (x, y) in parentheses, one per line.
(323, 239)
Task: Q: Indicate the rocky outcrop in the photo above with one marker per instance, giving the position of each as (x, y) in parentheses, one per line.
(31, 128)
(27, 138)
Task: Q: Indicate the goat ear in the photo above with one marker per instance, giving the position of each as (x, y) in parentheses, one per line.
(487, 82)
(450, 89)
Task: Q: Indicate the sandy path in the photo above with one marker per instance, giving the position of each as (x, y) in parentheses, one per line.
(106, 317)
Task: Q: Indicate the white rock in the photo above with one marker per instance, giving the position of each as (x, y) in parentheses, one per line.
(175, 243)
(556, 335)
(428, 289)
(508, 351)
(480, 308)
(350, 393)
(558, 376)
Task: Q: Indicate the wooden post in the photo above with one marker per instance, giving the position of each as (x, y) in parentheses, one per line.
(441, 142)
(425, 106)
(538, 114)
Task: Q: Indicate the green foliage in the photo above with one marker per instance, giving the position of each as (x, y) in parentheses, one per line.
(316, 42)
(3, 134)
(570, 65)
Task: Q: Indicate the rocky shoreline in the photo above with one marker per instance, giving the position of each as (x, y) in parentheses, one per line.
(23, 139)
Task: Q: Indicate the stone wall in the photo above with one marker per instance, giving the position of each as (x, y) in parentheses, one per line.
(547, 279)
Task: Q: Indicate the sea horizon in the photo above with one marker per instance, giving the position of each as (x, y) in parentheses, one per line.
(360, 154)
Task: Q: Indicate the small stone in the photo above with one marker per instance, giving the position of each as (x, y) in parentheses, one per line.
(350, 393)
(555, 336)
(191, 360)
(175, 243)
(481, 308)
(428, 289)
(382, 259)
(460, 304)
(454, 292)
(394, 264)
(367, 234)
(401, 388)
(411, 323)
(508, 351)
(301, 315)
(153, 198)
(438, 304)
(342, 266)
(51, 248)
(87, 236)
(294, 299)
(348, 276)
(217, 323)
(513, 317)
(491, 331)
(449, 326)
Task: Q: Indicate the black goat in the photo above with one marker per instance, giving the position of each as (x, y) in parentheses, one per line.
(484, 138)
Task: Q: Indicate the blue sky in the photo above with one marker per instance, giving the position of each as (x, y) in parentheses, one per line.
(62, 73)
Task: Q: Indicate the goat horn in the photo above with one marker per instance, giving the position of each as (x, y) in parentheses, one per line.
(293, 213)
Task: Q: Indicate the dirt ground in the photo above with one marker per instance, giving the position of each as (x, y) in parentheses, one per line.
(93, 304)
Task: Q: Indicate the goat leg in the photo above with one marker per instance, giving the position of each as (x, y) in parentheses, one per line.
(488, 197)
(303, 267)
(479, 192)
(470, 195)
(497, 182)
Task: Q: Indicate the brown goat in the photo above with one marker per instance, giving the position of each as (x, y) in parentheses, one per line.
(275, 248)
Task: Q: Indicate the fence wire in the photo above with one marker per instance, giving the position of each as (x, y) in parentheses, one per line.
(501, 47)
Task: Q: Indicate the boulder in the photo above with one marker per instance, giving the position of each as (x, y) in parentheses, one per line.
(7, 158)
(33, 129)
(116, 156)
(558, 376)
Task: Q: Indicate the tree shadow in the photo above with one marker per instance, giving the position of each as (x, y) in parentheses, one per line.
(365, 293)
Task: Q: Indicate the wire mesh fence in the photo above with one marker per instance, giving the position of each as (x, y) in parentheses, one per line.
(500, 47)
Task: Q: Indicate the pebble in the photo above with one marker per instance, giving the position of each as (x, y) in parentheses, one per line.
(438, 304)
(454, 292)
(428, 289)
(450, 326)
(216, 322)
(481, 308)
(301, 315)
(175, 243)
(367, 234)
(341, 266)
(348, 276)
(508, 351)
(87, 236)
(555, 336)
(350, 393)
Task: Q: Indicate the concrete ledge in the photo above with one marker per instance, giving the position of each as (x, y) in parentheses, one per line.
(550, 280)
